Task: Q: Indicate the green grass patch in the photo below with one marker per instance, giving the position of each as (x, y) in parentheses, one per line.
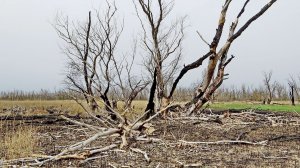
(245, 105)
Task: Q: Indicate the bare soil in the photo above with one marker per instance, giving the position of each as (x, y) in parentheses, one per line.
(280, 130)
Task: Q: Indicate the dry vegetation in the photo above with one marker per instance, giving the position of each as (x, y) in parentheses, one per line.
(33, 107)
(236, 139)
(17, 140)
(69, 107)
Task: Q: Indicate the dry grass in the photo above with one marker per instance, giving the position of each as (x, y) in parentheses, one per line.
(35, 107)
(19, 139)
(170, 152)
(138, 107)
(17, 143)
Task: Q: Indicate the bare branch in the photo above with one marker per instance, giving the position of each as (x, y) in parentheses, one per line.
(202, 38)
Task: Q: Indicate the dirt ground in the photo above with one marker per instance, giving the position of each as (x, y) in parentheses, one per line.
(280, 131)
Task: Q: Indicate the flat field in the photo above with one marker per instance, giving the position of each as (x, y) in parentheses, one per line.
(249, 138)
(276, 107)
(35, 107)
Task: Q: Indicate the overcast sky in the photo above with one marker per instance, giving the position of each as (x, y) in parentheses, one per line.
(30, 56)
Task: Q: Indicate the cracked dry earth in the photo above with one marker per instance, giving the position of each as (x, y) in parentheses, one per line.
(282, 149)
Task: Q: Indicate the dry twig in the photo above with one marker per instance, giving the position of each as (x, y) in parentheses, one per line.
(142, 152)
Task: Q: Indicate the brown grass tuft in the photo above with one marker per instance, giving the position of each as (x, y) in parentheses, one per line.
(18, 143)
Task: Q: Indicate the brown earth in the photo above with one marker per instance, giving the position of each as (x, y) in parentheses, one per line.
(281, 131)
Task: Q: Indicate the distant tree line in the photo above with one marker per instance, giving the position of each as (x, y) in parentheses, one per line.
(270, 90)
(18, 95)
(279, 91)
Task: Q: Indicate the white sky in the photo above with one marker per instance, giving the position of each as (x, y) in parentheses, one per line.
(30, 57)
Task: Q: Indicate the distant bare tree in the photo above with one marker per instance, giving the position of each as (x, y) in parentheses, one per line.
(293, 81)
(292, 95)
(34, 95)
(246, 93)
(269, 85)
(281, 91)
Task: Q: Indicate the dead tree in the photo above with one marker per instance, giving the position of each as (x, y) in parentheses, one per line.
(217, 59)
(162, 41)
(270, 87)
(281, 91)
(294, 82)
(217, 55)
(150, 108)
(291, 93)
(90, 48)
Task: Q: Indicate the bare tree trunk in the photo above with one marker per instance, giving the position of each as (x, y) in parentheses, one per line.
(292, 96)
(93, 104)
(292, 82)
(185, 69)
(114, 104)
(150, 109)
(270, 87)
(210, 84)
(107, 103)
(201, 98)
(162, 42)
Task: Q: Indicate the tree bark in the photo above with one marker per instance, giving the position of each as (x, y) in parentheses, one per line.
(292, 95)
(150, 109)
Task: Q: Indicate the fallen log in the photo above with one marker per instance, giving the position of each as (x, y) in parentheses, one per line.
(225, 142)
